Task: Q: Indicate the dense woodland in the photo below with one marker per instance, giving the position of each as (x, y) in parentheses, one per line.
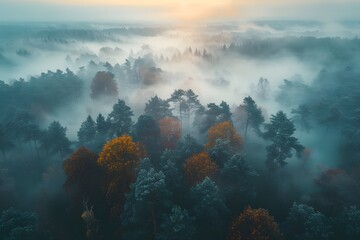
(182, 168)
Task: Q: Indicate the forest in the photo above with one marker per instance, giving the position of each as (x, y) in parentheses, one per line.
(159, 133)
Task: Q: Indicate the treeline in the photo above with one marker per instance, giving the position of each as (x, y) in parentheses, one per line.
(327, 50)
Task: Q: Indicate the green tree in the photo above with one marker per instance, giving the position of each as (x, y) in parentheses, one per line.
(147, 132)
(209, 209)
(304, 223)
(18, 225)
(238, 179)
(280, 131)
(177, 225)
(120, 119)
(158, 108)
(54, 139)
(146, 203)
(87, 131)
(254, 117)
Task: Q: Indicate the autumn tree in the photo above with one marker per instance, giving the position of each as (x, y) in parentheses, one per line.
(120, 119)
(103, 85)
(83, 175)
(119, 158)
(226, 132)
(254, 224)
(198, 167)
(158, 108)
(170, 129)
(280, 131)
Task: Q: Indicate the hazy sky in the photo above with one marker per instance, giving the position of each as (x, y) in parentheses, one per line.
(176, 10)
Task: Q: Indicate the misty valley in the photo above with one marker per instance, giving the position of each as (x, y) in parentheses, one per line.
(246, 131)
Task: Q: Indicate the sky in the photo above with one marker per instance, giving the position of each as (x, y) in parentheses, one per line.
(177, 10)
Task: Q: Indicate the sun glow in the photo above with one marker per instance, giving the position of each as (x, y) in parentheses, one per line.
(184, 10)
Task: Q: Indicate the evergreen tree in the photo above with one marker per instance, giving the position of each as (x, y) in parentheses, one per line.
(280, 131)
(177, 225)
(254, 117)
(209, 209)
(146, 203)
(120, 119)
(54, 139)
(18, 225)
(147, 132)
(238, 179)
(158, 108)
(87, 131)
(305, 223)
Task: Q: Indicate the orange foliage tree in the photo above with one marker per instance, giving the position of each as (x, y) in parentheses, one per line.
(170, 129)
(224, 131)
(198, 167)
(120, 157)
(103, 85)
(254, 224)
(82, 175)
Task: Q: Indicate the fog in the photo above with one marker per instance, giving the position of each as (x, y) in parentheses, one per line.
(306, 69)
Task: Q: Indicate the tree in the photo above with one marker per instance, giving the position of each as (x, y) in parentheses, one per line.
(170, 129)
(102, 127)
(280, 131)
(147, 132)
(103, 85)
(83, 175)
(54, 139)
(254, 117)
(187, 147)
(120, 119)
(158, 108)
(348, 223)
(209, 209)
(198, 167)
(87, 132)
(254, 224)
(221, 152)
(305, 223)
(5, 141)
(238, 179)
(119, 158)
(145, 204)
(186, 103)
(226, 132)
(177, 225)
(213, 115)
(18, 225)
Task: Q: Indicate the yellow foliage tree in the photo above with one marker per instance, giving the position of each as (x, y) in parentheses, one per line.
(120, 157)
(255, 224)
(224, 131)
(198, 167)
